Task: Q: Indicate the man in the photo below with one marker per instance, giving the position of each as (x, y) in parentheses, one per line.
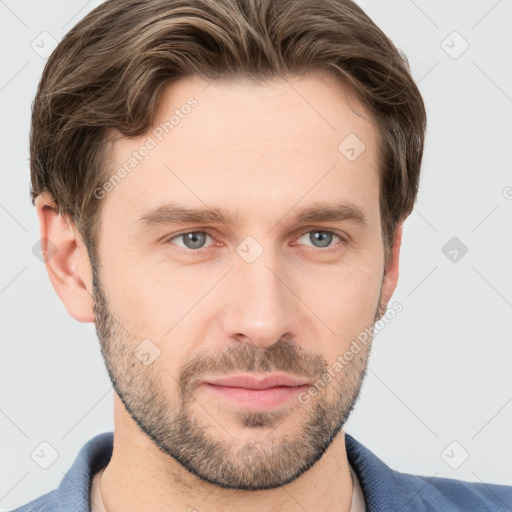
(221, 187)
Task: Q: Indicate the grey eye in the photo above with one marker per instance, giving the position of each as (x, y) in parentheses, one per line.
(192, 239)
(320, 238)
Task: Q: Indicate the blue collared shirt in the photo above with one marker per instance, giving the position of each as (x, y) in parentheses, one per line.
(384, 489)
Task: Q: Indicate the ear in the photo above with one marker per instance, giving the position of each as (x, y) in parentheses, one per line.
(66, 259)
(391, 271)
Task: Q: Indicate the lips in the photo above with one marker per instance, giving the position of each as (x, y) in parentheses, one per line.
(256, 392)
(253, 382)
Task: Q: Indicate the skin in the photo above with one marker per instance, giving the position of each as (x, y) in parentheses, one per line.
(264, 151)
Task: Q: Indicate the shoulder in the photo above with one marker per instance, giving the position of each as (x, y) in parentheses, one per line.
(386, 489)
(452, 494)
(73, 492)
(46, 503)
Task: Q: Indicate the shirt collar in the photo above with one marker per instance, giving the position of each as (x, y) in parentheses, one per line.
(373, 476)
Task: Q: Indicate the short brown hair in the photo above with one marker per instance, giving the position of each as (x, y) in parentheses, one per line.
(110, 69)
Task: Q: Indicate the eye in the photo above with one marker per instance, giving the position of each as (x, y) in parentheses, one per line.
(192, 239)
(320, 238)
(195, 240)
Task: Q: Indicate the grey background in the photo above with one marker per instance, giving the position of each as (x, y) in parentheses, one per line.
(439, 379)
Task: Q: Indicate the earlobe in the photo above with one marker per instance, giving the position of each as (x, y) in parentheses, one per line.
(66, 259)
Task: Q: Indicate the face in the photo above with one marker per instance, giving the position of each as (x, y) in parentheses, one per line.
(181, 300)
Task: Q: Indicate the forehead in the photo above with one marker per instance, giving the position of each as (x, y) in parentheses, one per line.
(252, 146)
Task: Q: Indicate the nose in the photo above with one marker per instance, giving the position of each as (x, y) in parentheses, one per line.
(262, 305)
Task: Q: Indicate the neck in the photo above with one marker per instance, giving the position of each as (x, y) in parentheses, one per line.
(140, 473)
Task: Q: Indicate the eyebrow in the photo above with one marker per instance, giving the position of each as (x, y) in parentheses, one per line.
(317, 212)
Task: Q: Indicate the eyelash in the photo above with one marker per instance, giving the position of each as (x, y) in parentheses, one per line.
(327, 249)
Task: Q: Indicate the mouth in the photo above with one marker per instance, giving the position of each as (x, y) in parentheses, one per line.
(256, 393)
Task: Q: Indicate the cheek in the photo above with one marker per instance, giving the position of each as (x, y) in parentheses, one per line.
(132, 298)
(345, 299)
